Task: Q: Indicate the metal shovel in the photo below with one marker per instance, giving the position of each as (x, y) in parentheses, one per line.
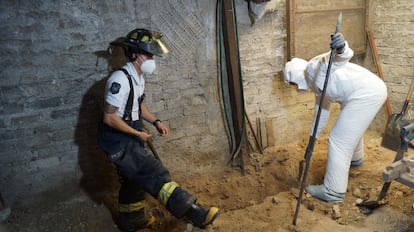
(395, 122)
(406, 135)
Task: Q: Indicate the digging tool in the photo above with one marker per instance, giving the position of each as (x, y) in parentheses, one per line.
(309, 148)
(395, 122)
(151, 147)
(406, 135)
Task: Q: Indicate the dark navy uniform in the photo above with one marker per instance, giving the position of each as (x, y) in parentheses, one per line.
(139, 171)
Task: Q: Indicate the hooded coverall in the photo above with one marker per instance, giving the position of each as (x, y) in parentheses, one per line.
(360, 94)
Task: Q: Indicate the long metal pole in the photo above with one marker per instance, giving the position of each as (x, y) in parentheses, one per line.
(309, 149)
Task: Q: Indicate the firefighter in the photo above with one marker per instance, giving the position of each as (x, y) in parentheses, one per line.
(122, 138)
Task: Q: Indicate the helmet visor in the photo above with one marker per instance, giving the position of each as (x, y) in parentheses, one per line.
(155, 44)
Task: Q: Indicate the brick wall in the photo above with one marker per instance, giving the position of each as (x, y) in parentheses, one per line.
(393, 29)
(268, 99)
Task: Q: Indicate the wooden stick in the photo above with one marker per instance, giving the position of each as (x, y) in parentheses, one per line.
(269, 132)
(254, 135)
(377, 65)
(259, 132)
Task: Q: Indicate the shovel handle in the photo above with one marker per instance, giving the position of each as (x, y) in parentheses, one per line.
(408, 98)
(410, 91)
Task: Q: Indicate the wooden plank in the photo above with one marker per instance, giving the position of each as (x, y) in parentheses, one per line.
(263, 133)
(258, 145)
(330, 10)
(269, 132)
(259, 132)
(232, 66)
(234, 77)
(310, 24)
(290, 19)
(374, 52)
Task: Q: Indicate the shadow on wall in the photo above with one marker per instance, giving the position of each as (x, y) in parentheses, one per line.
(99, 177)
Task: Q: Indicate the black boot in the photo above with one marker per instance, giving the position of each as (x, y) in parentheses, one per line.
(201, 217)
(133, 221)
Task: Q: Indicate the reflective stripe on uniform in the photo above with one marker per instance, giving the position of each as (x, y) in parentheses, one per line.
(132, 207)
(166, 191)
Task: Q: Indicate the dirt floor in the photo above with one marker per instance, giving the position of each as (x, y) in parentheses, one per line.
(264, 199)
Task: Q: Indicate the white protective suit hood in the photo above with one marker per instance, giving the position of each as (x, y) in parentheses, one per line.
(295, 73)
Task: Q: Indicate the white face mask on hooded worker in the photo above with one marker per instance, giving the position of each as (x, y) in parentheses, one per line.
(148, 66)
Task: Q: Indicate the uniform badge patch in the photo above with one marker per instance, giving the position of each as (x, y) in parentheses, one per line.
(115, 88)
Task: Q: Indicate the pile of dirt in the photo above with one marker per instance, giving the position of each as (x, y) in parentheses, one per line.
(263, 199)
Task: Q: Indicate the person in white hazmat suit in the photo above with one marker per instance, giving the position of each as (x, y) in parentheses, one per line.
(360, 94)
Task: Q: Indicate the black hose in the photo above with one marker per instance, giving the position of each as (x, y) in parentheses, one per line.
(239, 144)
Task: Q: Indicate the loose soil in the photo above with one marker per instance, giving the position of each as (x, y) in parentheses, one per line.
(263, 199)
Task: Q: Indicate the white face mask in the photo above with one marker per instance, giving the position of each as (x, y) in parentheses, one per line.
(148, 66)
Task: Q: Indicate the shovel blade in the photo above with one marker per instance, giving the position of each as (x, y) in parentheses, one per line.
(371, 204)
(367, 207)
(391, 138)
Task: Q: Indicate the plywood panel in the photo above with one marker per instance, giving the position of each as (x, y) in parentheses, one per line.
(313, 24)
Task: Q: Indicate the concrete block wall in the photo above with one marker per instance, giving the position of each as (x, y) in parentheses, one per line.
(55, 63)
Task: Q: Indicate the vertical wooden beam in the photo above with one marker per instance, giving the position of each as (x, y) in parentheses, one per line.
(233, 72)
(290, 28)
(367, 14)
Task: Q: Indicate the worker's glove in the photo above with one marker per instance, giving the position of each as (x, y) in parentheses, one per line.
(338, 42)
